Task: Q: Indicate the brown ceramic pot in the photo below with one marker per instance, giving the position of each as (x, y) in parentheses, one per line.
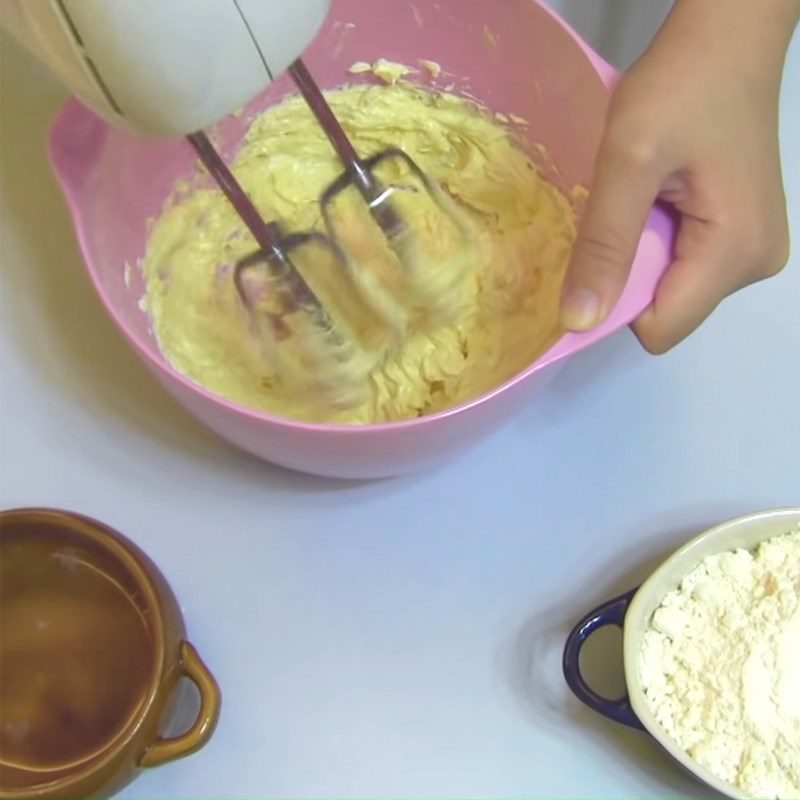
(92, 650)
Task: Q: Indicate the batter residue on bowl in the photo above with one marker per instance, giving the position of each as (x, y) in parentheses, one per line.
(507, 315)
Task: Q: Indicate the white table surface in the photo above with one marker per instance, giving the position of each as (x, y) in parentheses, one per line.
(398, 638)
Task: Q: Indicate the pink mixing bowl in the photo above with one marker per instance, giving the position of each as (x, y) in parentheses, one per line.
(516, 56)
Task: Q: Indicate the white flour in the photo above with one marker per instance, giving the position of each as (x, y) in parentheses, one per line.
(720, 666)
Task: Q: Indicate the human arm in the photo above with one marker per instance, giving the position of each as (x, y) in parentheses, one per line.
(695, 123)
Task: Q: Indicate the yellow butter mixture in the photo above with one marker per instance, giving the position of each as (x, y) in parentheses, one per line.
(504, 312)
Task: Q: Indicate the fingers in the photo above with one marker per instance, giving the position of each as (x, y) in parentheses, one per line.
(626, 183)
(686, 297)
(712, 262)
(699, 278)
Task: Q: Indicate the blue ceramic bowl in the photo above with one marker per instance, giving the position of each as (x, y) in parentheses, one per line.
(633, 611)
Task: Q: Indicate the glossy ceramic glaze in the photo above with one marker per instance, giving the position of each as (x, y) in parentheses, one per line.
(633, 611)
(92, 650)
(515, 56)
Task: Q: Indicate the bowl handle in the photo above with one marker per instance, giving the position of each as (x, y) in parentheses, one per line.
(610, 613)
(163, 750)
(653, 257)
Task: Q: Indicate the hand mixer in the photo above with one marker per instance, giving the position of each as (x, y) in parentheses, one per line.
(172, 69)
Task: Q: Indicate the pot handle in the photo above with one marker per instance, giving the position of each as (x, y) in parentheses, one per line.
(163, 750)
(610, 613)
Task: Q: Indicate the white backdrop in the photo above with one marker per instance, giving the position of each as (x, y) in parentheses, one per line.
(400, 638)
(619, 29)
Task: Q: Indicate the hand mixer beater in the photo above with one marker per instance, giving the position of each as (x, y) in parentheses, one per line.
(330, 306)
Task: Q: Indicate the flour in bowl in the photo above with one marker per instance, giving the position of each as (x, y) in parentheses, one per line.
(720, 666)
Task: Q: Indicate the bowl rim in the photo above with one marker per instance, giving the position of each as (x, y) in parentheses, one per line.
(568, 343)
(774, 522)
(118, 546)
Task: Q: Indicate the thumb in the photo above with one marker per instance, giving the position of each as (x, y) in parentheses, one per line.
(624, 189)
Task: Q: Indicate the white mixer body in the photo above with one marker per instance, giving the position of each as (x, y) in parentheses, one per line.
(165, 68)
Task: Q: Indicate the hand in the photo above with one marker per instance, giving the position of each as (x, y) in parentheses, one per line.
(694, 122)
